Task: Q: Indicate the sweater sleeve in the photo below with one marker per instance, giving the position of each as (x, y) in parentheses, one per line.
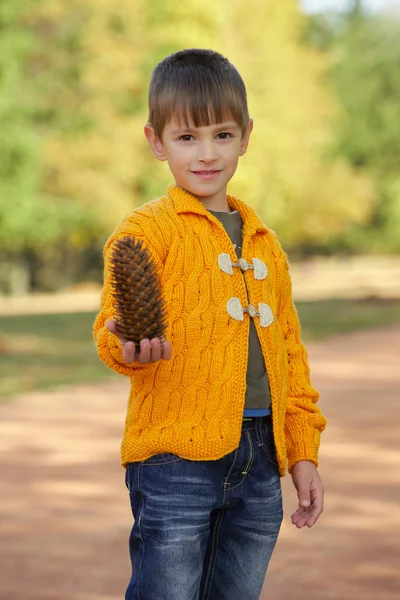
(304, 421)
(109, 347)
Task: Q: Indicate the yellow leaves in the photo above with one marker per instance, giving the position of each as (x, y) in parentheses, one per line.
(98, 169)
(283, 175)
(324, 202)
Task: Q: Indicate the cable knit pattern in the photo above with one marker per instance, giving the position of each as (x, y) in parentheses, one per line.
(192, 405)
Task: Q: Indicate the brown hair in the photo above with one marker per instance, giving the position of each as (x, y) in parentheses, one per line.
(196, 84)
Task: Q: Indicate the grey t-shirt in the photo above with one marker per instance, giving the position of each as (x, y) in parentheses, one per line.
(257, 393)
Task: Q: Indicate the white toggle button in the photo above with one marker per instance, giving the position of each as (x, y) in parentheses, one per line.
(225, 263)
(236, 311)
(266, 314)
(260, 268)
(243, 264)
(252, 310)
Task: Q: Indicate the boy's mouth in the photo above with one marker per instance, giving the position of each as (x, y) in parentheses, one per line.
(206, 174)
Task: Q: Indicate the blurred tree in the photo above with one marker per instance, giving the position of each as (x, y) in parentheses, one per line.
(365, 60)
(30, 218)
(93, 148)
(88, 65)
(289, 175)
(107, 164)
(74, 102)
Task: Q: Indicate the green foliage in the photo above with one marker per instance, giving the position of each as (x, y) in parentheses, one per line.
(365, 60)
(369, 54)
(110, 163)
(19, 145)
(289, 175)
(31, 216)
(73, 101)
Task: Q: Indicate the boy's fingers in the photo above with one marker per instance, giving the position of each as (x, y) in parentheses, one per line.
(299, 513)
(145, 351)
(308, 516)
(311, 521)
(166, 350)
(155, 350)
(313, 495)
(301, 520)
(318, 507)
(304, 497)
(129, 352)
(112, 325)
(150, 351)
(313, 518)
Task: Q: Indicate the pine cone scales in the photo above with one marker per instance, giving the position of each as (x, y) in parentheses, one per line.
(137, 292)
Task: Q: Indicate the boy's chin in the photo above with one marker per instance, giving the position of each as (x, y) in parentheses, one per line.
(202, 190)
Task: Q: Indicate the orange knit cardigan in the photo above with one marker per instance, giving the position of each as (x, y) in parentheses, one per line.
(192, 405)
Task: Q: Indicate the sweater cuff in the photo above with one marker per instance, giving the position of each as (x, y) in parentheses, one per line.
(115, 347)
(110, 352)
(303, 442)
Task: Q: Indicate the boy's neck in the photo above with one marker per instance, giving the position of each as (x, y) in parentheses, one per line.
(217, 201)
(217, 206)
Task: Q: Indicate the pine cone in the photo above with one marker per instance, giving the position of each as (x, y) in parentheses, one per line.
(137, 292)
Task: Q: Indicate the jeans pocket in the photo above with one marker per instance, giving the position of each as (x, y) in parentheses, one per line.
(163, 458)
(268, 444)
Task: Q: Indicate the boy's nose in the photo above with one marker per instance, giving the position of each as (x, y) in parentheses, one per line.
(207, 153)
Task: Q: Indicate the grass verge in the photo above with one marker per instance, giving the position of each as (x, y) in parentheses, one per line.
(42, 351)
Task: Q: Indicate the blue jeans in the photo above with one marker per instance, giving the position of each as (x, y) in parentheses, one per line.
(205, 530)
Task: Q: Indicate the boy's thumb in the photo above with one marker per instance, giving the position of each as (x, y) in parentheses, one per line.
(111, 325)
(304, 498)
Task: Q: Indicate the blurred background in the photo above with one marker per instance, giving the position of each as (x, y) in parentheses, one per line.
(322, 169)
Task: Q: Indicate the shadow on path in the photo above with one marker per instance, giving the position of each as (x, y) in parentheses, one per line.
(64, 509)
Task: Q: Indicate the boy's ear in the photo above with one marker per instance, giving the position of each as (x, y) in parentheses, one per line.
(245, 140)
(155, 142)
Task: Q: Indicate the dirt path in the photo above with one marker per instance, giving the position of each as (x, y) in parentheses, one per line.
(64, 510)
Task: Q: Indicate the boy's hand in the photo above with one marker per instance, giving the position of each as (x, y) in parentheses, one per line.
(150, 350)
(310, 493)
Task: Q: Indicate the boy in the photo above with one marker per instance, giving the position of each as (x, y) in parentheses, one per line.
(218, 406)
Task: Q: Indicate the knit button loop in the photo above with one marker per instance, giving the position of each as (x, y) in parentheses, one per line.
(252, 310)
(236, 311)
(260, 268)
(243, 264)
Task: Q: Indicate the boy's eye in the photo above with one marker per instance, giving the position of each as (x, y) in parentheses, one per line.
(186, 138)
(224, 135)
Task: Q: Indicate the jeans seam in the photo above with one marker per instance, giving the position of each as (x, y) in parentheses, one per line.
(249, 462)
(214, 555)
(229, 472)
(127, 479)
(270, 458)
(260, 442)
(140, 533)
(258, 433)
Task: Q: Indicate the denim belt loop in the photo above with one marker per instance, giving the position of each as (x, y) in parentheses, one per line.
(258, 421)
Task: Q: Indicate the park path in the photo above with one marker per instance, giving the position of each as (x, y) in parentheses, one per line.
(64, 509)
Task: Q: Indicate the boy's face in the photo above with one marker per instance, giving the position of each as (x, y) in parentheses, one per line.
(201, 159)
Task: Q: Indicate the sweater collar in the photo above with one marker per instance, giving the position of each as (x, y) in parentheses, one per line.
(184, 202)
